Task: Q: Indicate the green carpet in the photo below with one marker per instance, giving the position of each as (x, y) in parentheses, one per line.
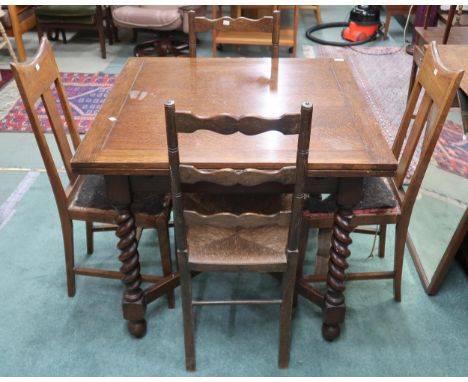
(45, 333)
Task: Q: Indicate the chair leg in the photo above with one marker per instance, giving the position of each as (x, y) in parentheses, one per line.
(165, 251)
(108, 17)
(102, 41)
(400, 242)
(382, 239)
(303, 240)
(318, 15)
(67, 232)
(40, 32)
(100, 28)
(289, 280)
(387, 25)
(134, 36)
(89, 238)
(186, 295)
(64, 36)
(322, 257)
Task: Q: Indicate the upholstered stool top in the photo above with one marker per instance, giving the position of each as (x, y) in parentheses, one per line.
(160, 17)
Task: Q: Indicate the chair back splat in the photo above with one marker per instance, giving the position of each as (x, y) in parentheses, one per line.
(288, 124)
(267, 24)
(235, 232)
(37, 79)
(435, 86)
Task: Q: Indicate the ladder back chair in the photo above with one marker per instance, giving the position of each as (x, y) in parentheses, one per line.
(384, 201)
(227, 239)
(84, 198)
(267, 24)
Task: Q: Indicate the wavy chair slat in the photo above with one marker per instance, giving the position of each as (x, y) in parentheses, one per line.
(267, 24)
(246, 220)
(240, 24)
(228, 124)
(230, 177)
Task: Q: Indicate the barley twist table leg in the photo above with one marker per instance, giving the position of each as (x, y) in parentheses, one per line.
(334, 299)
(118, 189)
(133, 298)
(349, 194)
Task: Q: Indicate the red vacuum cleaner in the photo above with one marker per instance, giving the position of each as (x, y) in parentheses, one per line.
(363, 26)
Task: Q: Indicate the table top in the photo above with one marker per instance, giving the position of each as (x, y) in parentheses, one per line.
(454, 57)
(458, 35)
(128, 136)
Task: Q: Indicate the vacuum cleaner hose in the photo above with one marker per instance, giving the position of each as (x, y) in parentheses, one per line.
(311, 30)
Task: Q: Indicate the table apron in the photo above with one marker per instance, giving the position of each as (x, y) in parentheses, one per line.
(161, 184)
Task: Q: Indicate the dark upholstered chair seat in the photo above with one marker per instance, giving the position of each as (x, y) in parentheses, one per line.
(208, 204)
(237, 246)
(376, 195)
(92, 194)
(70, 14)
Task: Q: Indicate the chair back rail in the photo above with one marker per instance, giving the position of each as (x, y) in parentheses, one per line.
(267, 24)
(36, 80)
(299, 124)
(227, 124)
(230, 177)
(435, 88)
(230, 220)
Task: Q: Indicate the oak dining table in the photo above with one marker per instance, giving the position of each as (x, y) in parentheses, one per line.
(127, 145)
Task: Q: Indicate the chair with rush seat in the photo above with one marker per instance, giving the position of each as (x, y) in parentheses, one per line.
(385, 201)
(84, 198)
(226, 233)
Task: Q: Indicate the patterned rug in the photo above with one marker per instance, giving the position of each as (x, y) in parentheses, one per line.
(383, 75)
(5, 76)
(86, 95)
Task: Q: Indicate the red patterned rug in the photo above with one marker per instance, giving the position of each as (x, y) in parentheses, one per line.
(383, 75)
(86, 95)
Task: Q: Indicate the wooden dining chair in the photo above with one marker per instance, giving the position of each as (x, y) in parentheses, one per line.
(384, 200)
(267, 24)
(84, 198)
(216, 235)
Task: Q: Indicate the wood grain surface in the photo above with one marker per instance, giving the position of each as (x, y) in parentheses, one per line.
(128, 135)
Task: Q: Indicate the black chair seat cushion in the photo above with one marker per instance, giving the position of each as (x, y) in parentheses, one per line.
(376, 194)
(67, 14)
(92, 194)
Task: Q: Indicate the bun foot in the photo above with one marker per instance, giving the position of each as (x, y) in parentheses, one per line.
(330, 332)
(137, 328)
